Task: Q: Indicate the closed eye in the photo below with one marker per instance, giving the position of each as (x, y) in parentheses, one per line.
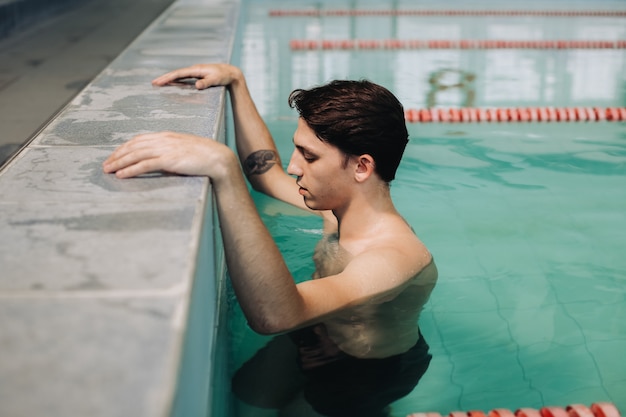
(309, 158)
(306, 154)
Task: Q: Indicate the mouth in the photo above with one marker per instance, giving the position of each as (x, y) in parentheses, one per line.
(301, 190)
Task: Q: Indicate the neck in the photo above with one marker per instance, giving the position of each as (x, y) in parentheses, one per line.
(363, 214)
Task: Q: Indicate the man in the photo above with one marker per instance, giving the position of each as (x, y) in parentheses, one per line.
(373, 275)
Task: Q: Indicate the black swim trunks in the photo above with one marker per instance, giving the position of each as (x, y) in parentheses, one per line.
(332, 382)
(350, 386)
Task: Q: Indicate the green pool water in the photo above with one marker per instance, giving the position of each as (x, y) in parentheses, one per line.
(527, 221)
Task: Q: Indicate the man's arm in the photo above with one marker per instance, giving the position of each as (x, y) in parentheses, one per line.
(264, 286)
(255, 146)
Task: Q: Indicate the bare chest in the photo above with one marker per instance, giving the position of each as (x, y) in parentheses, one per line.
(329, 257)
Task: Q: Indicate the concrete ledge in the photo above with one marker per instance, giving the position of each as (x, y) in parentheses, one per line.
(98, 275)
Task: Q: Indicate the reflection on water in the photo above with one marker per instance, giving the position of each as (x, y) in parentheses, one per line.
(445, 80)
(505, 77)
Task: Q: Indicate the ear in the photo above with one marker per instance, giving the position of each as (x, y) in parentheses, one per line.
(364, 167)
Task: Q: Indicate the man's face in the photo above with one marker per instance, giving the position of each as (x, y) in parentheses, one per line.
(320, 170)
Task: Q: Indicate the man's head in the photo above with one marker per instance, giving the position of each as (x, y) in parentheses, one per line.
(358, 117)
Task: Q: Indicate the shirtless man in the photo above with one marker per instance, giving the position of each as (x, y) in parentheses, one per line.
(373, 275)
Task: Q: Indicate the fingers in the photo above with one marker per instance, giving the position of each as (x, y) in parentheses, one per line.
(203, 83)
(208, 75)
(167, 151)
(195, 71)
(140, 167)
(188, 72)
(137, 156)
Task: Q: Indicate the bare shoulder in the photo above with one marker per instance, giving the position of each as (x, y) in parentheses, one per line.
(407, 252)
(395, 253)
(398, 237)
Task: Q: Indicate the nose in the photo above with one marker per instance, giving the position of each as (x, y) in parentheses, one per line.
(294, 168)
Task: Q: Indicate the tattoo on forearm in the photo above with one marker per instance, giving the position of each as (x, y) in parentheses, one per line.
(259, 162)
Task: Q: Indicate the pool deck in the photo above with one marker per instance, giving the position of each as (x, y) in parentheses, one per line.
(98, 274)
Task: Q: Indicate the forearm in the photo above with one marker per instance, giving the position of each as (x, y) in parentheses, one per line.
(251, 132)
(264, 286)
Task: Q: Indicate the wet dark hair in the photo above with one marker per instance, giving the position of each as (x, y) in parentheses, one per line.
(358, 117)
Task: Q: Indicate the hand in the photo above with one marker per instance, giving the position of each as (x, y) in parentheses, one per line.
(208, 75)
(172, 152)
(324, 351)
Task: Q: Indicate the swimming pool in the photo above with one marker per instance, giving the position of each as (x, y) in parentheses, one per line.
(527, 220)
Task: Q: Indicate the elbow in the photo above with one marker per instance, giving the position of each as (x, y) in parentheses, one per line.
(263, 330)
(256, 186)
(268, 326)
(261, 184)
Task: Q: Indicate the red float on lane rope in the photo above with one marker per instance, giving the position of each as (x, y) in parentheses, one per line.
(527, 412)
(604, 410)
(553, 412)
(578, 410)
(599, 409)
(510, 115)
(444, 12)
(369, 44)
(501, 412)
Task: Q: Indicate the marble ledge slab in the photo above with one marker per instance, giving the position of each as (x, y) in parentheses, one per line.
(185, 16)
(95, 247)
(203, 16)
(171, 48)
(70, 174)
(123, 352)
(186, 34)
(171, 54)
(116, 96)
(102, 128)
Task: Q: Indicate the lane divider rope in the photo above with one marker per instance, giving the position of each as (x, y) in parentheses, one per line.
(363, 44)
(349, 12)
(599, 409)
(515, 114)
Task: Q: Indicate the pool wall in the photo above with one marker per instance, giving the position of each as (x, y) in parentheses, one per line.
(111, 289)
